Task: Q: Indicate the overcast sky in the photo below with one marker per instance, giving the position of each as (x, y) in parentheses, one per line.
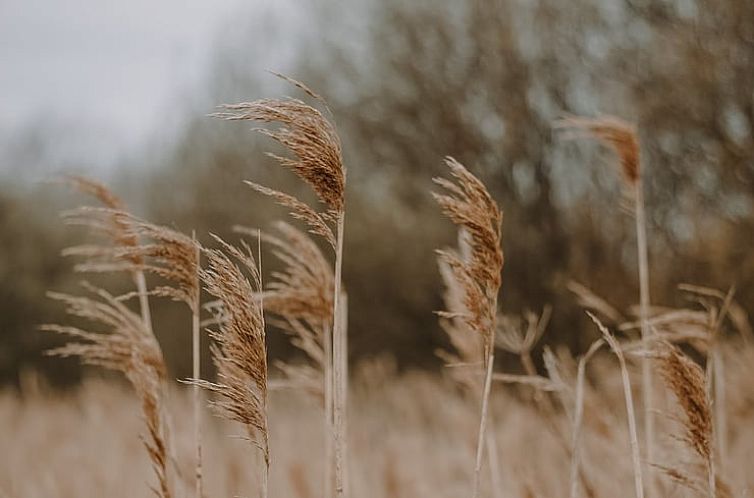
(102, 71)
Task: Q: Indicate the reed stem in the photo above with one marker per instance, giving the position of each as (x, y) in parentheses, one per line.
(633, 436)
(494, 458)
(644, 303)
(328, 418)
(141, 288)
(339, 395)
(578, 415)
(483, 420)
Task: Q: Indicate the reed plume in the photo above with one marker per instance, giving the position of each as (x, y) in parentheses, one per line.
(109, 227)
(623, 139)
(240, 351)
(305, 132)
(304, 289)
(140, 247)
(174, 257)
(686, 380)
(127, 347)
(317, 159)
(718, 306)
(301, 296)
(477, 274)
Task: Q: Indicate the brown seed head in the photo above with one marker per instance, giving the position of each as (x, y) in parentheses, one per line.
(478, 269)
(126, 347)
(305, 132)
(240, 353)
(686, 379)
(616, 133)
(108, 226)
(168, 254)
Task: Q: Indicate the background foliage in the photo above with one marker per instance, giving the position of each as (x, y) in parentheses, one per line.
(411, 82)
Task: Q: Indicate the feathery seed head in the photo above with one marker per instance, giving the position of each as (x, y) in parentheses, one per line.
(304, 290)
(478, 269)
(306, 133)
(130, 348)
(686, 379)
(616, 133)
(240, 353)
(169, 254)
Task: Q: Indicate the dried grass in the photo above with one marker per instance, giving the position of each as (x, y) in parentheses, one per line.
(307, 301)
(318, 161)
(623, 138)
(240, 351)
(127, 347)
(475, 276)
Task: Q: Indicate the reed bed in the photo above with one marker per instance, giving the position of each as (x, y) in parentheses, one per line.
(306, 430)
(401, 445)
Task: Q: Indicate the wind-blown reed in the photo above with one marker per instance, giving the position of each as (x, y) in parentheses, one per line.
(300, 295)
(687, 382)
(630, 411)
(111, 228)
(315, 145)
(240, 351)
(623, 139)
(477, 272)
(127, 347)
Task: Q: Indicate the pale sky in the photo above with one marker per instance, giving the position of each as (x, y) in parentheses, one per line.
(103, 72)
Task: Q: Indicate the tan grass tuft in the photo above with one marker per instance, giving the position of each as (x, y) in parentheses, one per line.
(318, 222)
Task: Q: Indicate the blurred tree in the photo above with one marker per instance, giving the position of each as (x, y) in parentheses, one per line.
(411, 82)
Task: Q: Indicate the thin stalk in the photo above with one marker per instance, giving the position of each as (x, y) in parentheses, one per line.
(646, 362)
(711, 477)
(494, 458)
(343, 366)
(196, 373)
(483, 420)
(328, 419)
(710, 390)
(266, 473)
(146, 316)
(141, 289)
(634, 438)
(577, 419)
(339, 407)
(720, 416)
(631, 424)
(265, 479)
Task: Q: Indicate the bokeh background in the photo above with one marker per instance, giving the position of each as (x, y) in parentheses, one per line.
(120, 91)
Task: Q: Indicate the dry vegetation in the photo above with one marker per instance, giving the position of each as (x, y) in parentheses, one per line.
(668, 413)
(409, 435)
